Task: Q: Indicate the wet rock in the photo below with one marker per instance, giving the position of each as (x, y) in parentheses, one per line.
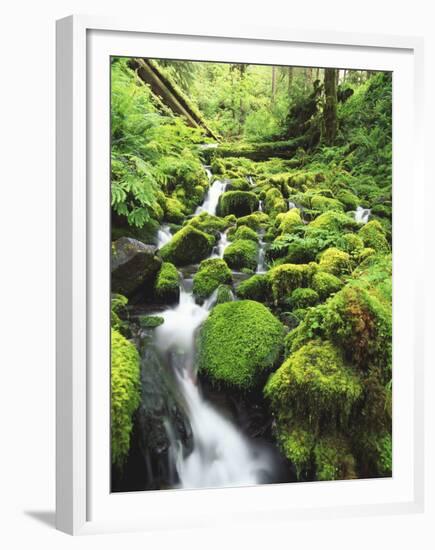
(133, 265)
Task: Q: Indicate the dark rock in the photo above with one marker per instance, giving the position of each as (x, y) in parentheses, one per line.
(133, 264)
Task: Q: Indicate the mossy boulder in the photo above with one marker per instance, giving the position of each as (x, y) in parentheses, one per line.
(118, 308)
(224, 294)
(133, 265)
(241, 254)
(284, 279)
(239, 203)
(211, 273)
(167, 285)
(256, 288)
(373, 236)
(289, 221)
(333, 459)
(348, 199)
(302, 298)
(333, 221)
(243, 232)
(150, 321)
(174, 211)
(335, 261)
(255, 221)
(125, 394)
(208, 223)
(325, 284)
(239, 344)
(318, 383)
(187, 246)
(325, 204)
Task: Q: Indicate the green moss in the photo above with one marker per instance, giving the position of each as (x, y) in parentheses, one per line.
(333, 459)
(373, 236)
(209, 223)
(241, 254)
(125, 395)
(239, 343)
(364, 254)
(211, 273)
(256, 288)
(325, 204)
(274, 202)
(150, 321)
(243, 232)
(302, 298)
(351, 243)
(187, 246)
(317, 382)
(325, 284)
(297, 445)
(335, 261)
(289, 221)
(255, 221)
(239, 203)
(333, 221)
(174, 210)
(284, 279)
(238, 184)
(118, 304)
(348, 199)
(167, 285)
(224, 294)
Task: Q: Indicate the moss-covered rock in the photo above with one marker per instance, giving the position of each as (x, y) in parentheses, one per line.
(333, 459)
(373, 236)
(325, 284)
(333, 221)
(335, 261)
(241, 254)
(348, 199)
(167, 285)
(211, 273)
(125, 395)
(289, 221)
(150, 321)
(255, 221)
(239, 203)
(325, 204)
(239, 344)
(320, 386)
(284, 279)
(256, 288)
(174, 210)
(118, 304)
(187, 246)
(208, 223)
(224, 294)
(243, 232)
(302, 298)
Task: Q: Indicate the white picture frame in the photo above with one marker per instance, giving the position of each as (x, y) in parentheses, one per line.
(83, 502)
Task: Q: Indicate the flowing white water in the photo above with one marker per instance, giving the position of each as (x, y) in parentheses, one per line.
(291, 205)
(212, 197)
(163, 236)
(362, 215)
(261, 266)
(260, 206)
(221, 455)
(219, 249)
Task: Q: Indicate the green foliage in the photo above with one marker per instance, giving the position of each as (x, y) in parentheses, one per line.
(289, 221)
(241, 254)
(167, 285)
(254, 221)
(150, 321)
(373, 236)
(302, 298)
(256, 288)
(335, 261)
(284, 279)
(243, 232)
(187, 246)
(125, 395)
(209, 223)
(224, 294)
(211, 274)
(325, 284)
(239, 343)
(239, 203)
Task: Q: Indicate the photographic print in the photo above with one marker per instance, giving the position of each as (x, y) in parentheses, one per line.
(251, 274)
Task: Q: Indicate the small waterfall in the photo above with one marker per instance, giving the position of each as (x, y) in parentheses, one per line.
(362, 215)
(219, 249)
(261, 266)
(212, 198)
(260, 206)
(250, 180)
(291, 205)
(221, 455)
(163, 236)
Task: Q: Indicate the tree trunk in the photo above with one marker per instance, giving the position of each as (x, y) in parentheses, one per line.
(330, 108)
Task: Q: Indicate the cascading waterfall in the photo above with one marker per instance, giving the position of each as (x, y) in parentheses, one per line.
(221, 455)
(291, 205)
(261, 266)
(362, 215)
(212, 197)
(219, 249)
(163, 236)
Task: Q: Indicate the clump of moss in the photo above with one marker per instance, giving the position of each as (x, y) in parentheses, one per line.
(351, 243)
(208, 223)
(317, 382)
(241, 254)
(187, 246)
(239, 343)
(373, 236)
(118, 306)
(335, 261)
(348, 199)
(325, 204)
(150, 321)
(174, 210)
(302, 298)
(256, 288)
(125, 395)
(333, 221)
(224, 294)
(243, 232)
(333, 459)
(284, 279)
(325, 284)
(167, 285)
(255, 221)
(211, 273)
(274, 202)
(289, 221)
(239, 203)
